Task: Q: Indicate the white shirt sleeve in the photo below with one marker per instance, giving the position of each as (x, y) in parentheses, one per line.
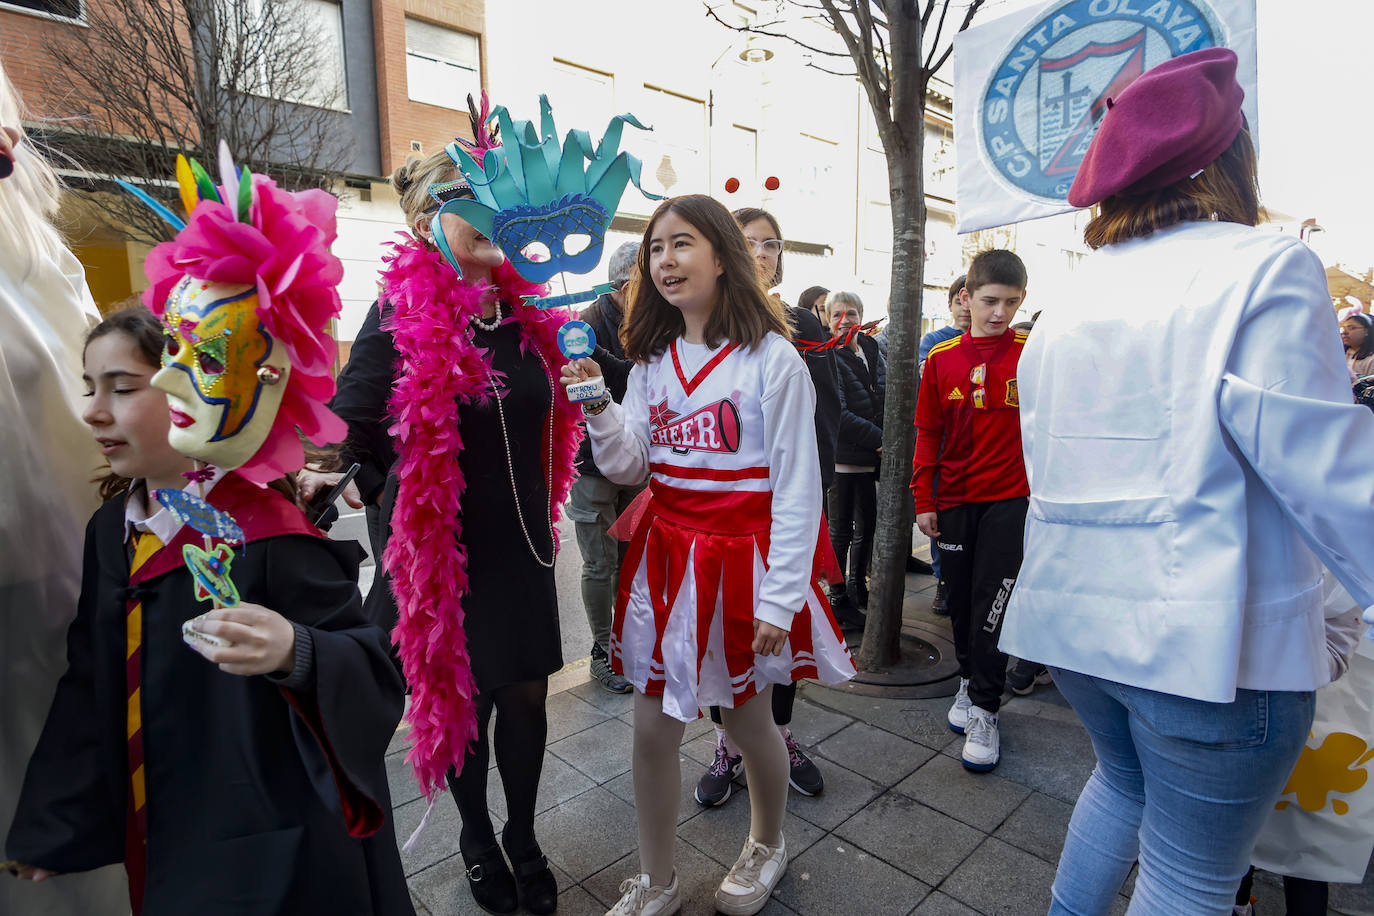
(789, 430)
(1285, 401)
(620, 433)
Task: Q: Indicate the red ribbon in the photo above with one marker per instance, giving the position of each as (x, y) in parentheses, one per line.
(844, 340)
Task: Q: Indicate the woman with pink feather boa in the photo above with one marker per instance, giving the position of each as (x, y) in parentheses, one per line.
(467, 447)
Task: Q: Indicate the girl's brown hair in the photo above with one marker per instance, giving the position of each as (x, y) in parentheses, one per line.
(746, 215)
(1227, 190)
(744, 313)
(145, 331)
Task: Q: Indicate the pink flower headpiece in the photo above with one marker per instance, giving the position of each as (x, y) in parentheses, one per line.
(249, 231)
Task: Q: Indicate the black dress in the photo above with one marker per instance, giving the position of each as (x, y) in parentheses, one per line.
(511, 609)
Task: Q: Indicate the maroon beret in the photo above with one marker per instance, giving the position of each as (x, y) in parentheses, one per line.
(1173, 121)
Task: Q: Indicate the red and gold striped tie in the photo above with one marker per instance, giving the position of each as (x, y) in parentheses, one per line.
(146, 544)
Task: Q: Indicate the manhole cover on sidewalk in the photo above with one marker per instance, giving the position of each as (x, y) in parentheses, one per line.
(927, 667)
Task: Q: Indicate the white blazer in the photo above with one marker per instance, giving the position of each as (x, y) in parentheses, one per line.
(1194, 457)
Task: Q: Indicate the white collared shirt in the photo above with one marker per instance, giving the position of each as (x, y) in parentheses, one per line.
(160, 522)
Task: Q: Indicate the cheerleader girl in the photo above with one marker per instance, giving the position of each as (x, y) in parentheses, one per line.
(717, 601)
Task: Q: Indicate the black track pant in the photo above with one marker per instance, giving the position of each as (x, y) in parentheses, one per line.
(980, 557)
(853, 515)
(783, 697)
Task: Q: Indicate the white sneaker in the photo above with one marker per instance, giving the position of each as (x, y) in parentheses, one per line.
(958, 713)
(982, 744)
(750, 881)
(639, 898)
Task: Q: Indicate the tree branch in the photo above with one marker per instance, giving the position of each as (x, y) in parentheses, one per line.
(973, 7)
(874, 85)
(163, 77)
(939, 27)
(760, 30)
(815, 66)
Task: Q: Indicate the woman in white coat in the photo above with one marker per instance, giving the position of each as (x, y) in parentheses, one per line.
(1194, 457)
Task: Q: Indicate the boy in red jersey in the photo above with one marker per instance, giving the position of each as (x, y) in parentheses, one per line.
(968, 429)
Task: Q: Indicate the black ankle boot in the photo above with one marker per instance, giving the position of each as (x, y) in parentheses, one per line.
(847, 615)
(490, 881)
(538, 888)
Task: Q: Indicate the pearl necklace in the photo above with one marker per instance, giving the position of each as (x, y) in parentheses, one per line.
(510, 465)
(495, 322)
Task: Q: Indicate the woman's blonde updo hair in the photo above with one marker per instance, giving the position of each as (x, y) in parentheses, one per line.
(413, 179)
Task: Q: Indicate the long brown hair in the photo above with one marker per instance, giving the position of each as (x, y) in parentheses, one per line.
(1227, 190)
(145, 332)
(744, 313)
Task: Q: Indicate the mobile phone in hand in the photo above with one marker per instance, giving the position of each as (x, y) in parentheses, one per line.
(321, 510)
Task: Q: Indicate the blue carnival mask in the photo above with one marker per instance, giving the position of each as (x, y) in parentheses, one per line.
(547, 206)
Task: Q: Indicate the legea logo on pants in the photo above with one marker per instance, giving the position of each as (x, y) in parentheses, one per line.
(950, 547)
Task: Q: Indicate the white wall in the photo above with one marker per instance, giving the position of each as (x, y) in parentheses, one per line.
(366, 230)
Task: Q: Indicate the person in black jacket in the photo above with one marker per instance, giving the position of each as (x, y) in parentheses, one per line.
(853, 498)
(597, 502)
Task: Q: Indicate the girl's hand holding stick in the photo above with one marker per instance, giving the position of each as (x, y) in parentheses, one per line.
(258, 640)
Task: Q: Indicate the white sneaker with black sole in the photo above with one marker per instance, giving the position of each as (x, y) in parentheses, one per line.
(982, 742)
(958, 713)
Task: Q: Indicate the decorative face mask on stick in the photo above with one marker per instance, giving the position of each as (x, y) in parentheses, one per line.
(547, 205)
(247, 291)
(222, 371)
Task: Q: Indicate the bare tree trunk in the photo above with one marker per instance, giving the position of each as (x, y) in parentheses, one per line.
(884, 40)
(904, 146)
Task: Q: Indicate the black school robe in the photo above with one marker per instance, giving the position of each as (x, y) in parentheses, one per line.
(253, 790)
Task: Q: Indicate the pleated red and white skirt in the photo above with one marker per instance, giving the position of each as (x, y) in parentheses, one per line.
(684, 616)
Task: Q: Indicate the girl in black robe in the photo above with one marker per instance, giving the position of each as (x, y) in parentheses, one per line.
(264, 794)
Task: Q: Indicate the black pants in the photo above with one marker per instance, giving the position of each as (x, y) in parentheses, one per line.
(980, 558)
(853, 515)
(1301, 896)
(783, 697)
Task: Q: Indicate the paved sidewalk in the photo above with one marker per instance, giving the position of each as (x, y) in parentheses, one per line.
(901, 828)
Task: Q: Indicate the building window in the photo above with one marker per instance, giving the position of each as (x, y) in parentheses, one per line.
(61, 9)
(325, 20)
(442, 65)
(295, 53)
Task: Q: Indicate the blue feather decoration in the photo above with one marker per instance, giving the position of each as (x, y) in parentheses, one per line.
(153, 204)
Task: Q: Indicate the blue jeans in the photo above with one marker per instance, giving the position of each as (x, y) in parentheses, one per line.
(1181, 785)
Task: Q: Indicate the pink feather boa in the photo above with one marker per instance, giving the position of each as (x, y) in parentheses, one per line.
(428, 317)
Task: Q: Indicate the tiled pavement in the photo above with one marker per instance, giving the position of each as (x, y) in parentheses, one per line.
(901, 828)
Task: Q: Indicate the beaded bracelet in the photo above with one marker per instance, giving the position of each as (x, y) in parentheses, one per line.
(594, 408)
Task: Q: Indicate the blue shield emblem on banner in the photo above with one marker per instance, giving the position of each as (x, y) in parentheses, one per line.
(1043, 102)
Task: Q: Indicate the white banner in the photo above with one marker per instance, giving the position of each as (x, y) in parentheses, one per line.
(1031, 88)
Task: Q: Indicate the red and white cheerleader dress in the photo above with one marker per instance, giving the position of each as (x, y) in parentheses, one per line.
(731, 530)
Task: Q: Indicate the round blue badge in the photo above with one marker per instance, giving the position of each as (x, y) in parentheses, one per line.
(576, 339)
(1044, 100)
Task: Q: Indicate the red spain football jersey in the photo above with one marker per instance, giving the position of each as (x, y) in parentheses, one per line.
(968, 423)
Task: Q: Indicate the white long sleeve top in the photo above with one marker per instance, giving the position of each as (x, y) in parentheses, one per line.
(725, 420)
(1194, 458)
